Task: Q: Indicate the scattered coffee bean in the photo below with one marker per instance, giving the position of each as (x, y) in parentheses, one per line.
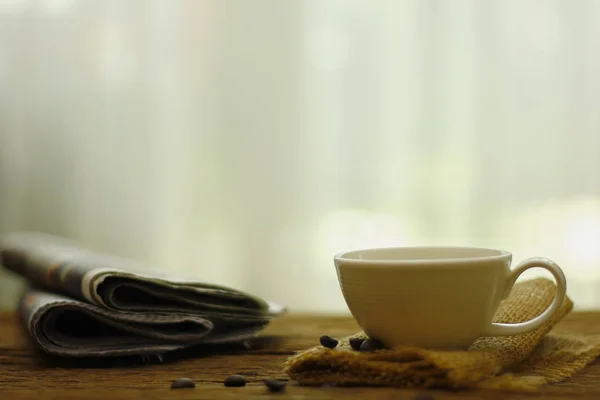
(356, 342)
(328, 341)
(235, 381)
(424, 396)
(371, 345)
(183, 383)
(275, 385)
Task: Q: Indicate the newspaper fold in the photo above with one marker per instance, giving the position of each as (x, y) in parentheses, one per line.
(82, 303)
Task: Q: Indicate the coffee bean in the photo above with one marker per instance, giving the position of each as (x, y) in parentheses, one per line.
(235, 381)
(274, 385)
(424, 396)
(356, 342)
(183, 383)
(328, 341)
(371, 345)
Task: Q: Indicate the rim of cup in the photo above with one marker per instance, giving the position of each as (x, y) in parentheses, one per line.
(393, 256)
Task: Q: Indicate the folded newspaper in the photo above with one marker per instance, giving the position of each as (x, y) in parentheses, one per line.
(82, 303)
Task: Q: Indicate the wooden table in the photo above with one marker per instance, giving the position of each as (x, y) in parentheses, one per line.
(27, 375)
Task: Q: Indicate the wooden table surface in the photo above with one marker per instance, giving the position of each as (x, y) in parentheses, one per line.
(24, 374)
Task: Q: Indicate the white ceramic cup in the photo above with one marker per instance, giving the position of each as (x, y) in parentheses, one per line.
(435, 297)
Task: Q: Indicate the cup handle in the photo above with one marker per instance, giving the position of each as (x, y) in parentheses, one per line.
(497, 329)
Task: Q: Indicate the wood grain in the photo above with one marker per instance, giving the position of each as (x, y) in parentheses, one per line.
(26, 374)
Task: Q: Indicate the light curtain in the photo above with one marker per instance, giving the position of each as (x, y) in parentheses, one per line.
(248, 141)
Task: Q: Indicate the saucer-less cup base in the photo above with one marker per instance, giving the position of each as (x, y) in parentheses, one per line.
(435, 297)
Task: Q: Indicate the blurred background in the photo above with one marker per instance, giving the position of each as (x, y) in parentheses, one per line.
(248, 141)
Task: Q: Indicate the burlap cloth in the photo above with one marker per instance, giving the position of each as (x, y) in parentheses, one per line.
(523, 362)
